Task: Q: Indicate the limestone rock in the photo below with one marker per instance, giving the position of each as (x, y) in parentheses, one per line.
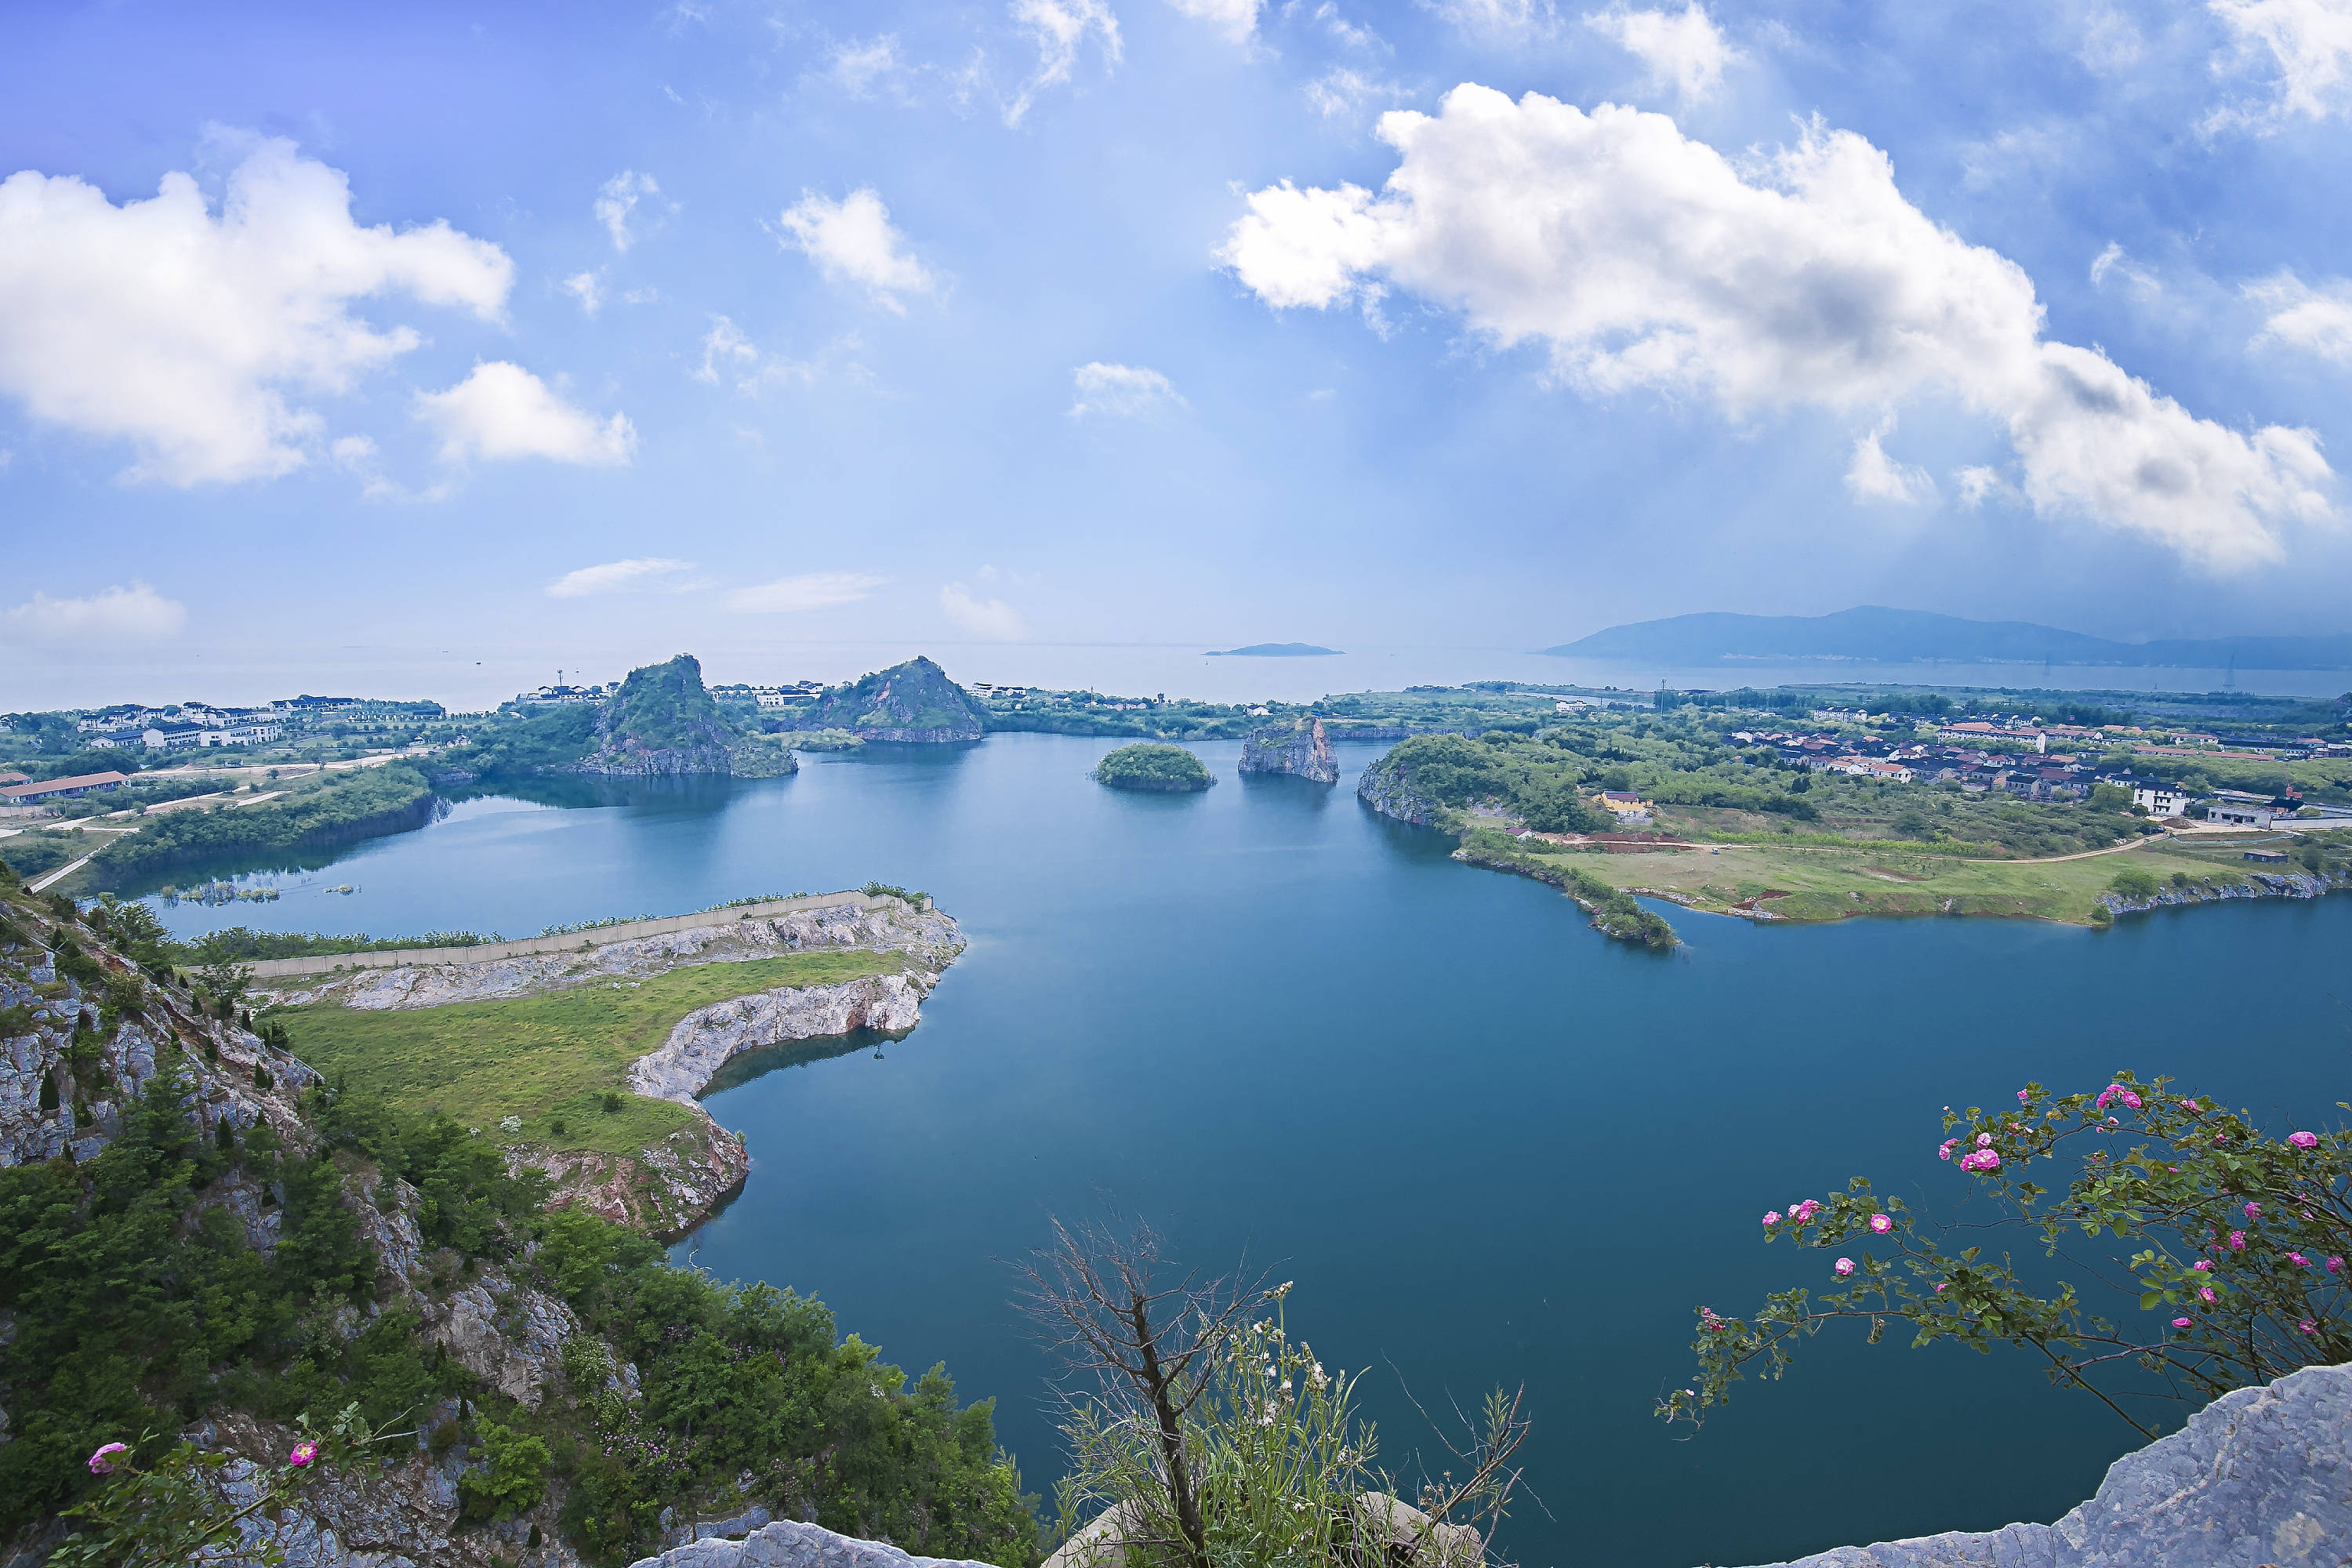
(2261, 1478)
(1383, 788)
(707, 1039)
(788, 1543)
(1300, 748)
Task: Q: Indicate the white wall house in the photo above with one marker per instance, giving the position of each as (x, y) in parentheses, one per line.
(2237, 813)
(2160, 800)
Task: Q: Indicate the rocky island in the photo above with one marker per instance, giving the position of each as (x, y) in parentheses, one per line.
(1300, 748)
(662, 722)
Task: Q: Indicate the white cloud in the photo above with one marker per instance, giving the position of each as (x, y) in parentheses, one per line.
(1643, 259)
(810, 591)
(617, 200)
(1235, 19)
(1059, 27)
(2111, 44)
(612, 576)
(852, 241)
(1684, 50)
(2308, 46)
(991, 618)
(1492, 17)
(1341, 91)
(1975, 484)
(588, 288)
(1121, 390)
(1347, 32)
(728, 355)
(2317, 320)
(2113, 261)
(504, 411)
(858, 69)
(136, 613)
(1872, 476)
(191, 335)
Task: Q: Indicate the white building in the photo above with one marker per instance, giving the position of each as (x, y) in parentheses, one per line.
(176, 739)
(2160, 800)
(2238, 813)
(249, 734)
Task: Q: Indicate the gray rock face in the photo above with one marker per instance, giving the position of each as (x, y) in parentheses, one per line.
(1300, 748)
(706, 1040)
(2261, 1478)
(2261, 885)
(1384, 790)
(788, 1543)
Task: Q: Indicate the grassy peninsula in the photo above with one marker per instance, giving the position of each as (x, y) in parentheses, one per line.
(1154, 769)
(548, 1061)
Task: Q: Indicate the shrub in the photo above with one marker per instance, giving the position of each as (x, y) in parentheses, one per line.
(1153, 767)
(2134, 883)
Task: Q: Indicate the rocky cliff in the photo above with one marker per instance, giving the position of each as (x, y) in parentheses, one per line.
(2258, 885)
(1384, 788)
(914, 702)
(1300, 748)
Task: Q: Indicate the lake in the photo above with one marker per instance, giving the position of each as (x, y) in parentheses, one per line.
(1487, 1145)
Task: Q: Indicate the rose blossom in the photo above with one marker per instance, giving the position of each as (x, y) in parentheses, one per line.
(2304, 1140)
(1771, 1216)
(2205, 1294)
(2180, 1322)
(304, 1452)
(2237, 1241)
(1844, 1266)
(102, 1462)
(1880, 1224)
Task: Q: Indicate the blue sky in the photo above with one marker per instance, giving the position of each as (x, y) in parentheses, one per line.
(574, 335)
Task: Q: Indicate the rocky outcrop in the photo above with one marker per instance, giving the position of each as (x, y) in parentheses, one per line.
(914, 702)
(1384, 788)
(2259, 1476)
(661, 724)
(54, 1038)
(1301, 748)
(1405, 1537)
(787, 1543)
(663, 1189)
(2258, 885)
(881, 925)
(706, 1040)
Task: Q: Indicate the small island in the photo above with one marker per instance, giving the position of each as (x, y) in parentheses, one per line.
(1165, 770)
(1275, 650)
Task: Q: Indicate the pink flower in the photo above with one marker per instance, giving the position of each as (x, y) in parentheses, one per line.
(2180, 1322)
(1946, 1152)
(2237, 1241)
(2202, 1265)
(1881, 1223)
(1939, 1286)
(1984, 1139)
(2299, 1260)
(1771, 1216)
(2253, 1211)
(2020, 1097)
(2131, 1099)
(2307, 1326)
(2205, 1294)
(1844, 1266)
(303, 1453)
(2304, 1140)
(102, 1462)
(2335, 1266)
(2188, 1105)
(2113, 1123)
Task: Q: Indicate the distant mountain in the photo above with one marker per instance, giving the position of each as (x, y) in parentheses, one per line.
(1874, 634)
(1273, 650)
(662, 721)
(910, 701)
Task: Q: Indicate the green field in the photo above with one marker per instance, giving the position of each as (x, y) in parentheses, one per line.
(1808, 883)
(551, 1058)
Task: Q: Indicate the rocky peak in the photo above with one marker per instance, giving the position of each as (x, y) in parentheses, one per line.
(910, 701)
(1299, 747)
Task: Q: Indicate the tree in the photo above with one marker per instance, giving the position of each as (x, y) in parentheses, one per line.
(2235, 1243)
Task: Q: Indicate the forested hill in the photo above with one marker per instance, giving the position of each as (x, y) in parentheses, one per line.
(1875, 634)
(663, 707)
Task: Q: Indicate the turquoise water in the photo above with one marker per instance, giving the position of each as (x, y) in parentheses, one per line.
(1487, 1145)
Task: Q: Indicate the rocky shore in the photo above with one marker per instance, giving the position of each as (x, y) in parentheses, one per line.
(2257, 885)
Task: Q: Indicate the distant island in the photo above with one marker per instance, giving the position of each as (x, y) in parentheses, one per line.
(1874, 634)
(914, 702)
(1274, 650)
(1155, 769)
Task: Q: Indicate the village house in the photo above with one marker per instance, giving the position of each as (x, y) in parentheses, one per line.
(62, 789)
(2159, 799)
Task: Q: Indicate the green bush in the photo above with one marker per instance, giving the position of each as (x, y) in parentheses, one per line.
(513, 1479)
(2134, 883)
(1150, 766)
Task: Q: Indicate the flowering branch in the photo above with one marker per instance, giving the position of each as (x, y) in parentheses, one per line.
(2241, 1244)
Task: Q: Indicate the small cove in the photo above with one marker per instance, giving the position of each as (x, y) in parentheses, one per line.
(1486, 1144)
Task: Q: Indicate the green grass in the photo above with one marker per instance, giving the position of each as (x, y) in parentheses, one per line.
(1825, 884)
(545, 1058)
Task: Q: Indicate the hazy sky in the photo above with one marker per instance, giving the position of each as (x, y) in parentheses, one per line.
(345, 337)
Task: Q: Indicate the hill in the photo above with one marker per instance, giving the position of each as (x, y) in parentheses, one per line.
(1163, 770)
(910, 701)
(661, 720)
(1274, 650)
(1873, 634)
